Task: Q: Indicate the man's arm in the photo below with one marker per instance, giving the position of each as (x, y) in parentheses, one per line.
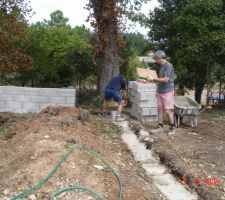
(161, 80)
(167, 75)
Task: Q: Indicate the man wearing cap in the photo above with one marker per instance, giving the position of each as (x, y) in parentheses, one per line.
(165, 91)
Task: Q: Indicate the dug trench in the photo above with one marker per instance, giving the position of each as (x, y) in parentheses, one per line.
(195, 156)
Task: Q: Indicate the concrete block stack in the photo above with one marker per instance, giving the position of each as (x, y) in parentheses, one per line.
(25, 99)
(143, 100)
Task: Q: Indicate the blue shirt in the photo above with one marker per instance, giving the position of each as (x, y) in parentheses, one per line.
(117, 83)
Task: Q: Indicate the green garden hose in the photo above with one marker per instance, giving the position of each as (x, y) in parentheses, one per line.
(71, 150)
(76, 188)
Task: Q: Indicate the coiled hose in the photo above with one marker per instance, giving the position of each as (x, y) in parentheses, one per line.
(71, 150)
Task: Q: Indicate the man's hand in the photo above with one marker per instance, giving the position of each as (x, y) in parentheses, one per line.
(124, 94)
(150, 78)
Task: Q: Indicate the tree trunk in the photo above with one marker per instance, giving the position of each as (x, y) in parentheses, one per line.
(110, 63)
(198, 91)
(107, 48)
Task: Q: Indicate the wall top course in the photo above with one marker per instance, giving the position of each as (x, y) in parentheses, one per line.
(27, 99)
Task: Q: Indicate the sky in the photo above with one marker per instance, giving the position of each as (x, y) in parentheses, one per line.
(74, 10)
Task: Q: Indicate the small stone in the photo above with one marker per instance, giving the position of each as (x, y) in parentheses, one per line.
(130, 164)
(32, 157)
(32, 197)
(192, 133)
(224, 189)
(98, 167)
(46, 136)
(58, 184)
(61, 195)
(6, 192)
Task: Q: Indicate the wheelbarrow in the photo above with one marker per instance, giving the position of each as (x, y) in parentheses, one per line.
(186, 106)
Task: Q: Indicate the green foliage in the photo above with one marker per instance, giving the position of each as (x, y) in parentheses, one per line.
(97, 101)
(5, 134)
(57, 20)
(220, 73)
(134, 45)
(192, 33)
(61, 55)
(106, 127)
(12, 34)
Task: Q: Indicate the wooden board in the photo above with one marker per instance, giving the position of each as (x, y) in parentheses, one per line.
(144, 73)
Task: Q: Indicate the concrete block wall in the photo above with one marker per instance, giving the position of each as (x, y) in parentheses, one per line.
(24, 99)
(143, 99)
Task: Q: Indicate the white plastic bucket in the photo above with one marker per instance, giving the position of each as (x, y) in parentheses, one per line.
(113, 115)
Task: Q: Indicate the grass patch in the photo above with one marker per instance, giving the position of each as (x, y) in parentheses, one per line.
(105, 127)
(5, 134)
(7, 120)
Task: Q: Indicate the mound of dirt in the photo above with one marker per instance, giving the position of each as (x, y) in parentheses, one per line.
(40, 140)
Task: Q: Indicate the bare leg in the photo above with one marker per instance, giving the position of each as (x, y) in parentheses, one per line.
(170, 115)
(120, 108)
(160, 112)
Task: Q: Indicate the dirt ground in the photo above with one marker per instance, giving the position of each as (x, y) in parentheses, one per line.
(196, 156)
(31, 145)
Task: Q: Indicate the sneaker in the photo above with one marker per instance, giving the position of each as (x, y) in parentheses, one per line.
(172, 130)
(159, 129)
(120, 119)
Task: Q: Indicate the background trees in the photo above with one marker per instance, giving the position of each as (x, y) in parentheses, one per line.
(192, 33)
(12, 34)
(62, 56)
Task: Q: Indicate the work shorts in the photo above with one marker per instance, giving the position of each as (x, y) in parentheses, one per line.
(111, 93)
(165, 100)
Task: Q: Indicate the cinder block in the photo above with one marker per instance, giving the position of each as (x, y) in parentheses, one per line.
(30, 91)
(3, 104)
(31, 106)
(45, 105)
(67, 92)
(39, 99)
(22, 98)
(57, 100)
(146, 104)
(131, 84)
(2, 89)
(14, 105)
(135, 107)
(145, 119)
(132, 98)
(140, 87)
(55, 92)
(6, 97)
(154, 111)
(147, 96)
(70, 100)
(145, 111)
(23, 111)
(6, 109)
(19, 111)
(22, 90)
